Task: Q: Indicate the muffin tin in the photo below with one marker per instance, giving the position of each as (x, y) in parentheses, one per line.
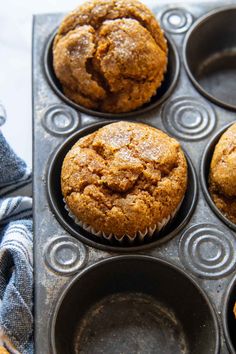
(178, 288)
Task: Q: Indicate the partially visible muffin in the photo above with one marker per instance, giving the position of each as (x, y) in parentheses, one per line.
(3, 351)
(222, 176)
(124, 179)
(110, 55)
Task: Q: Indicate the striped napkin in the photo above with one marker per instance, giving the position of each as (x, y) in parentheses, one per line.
(16, 254)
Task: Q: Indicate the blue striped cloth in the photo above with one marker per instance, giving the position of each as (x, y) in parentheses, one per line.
(16, 254)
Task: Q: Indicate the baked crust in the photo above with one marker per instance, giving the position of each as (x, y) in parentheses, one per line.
(222, 177)
(234, 310)
(3, 351)
(124, 178)
(110, 55)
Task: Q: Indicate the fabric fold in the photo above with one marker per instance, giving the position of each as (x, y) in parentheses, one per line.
(16, 255)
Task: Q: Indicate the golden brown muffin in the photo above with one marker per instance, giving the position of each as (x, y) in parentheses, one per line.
(234, 310)
(110, 55)
(3, 351)
(124, 178)
(222, 177)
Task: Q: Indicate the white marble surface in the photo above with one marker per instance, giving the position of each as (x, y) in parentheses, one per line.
(15, 65)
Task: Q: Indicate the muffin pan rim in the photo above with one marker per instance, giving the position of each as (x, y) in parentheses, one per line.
(141, 257)
(204, 183)
(194, 81)
(139, 111)
(228, 292)
(67, 226)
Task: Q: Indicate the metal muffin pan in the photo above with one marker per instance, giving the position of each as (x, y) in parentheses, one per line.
(133, 310)
(228, 316)
(199, 247)
(212, 69)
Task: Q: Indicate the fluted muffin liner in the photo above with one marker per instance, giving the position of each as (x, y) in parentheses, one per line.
(149, 232)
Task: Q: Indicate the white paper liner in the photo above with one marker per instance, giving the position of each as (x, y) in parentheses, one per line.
(140, 235)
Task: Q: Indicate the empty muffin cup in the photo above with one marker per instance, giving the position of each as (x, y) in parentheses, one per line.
(139, 305)
(229, 319)
(204, 174)
(210, 56)
(58, 206)
(163, 92)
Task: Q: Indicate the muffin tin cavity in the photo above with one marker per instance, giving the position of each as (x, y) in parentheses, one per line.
(204, 173)
(65, 255)
(176, 20)
(60, 119)
(229, 317)
(208, 251)
(188, 118)
(132, 309)
(166, 88)
(58, 205)
(210, 56)
(125, 308)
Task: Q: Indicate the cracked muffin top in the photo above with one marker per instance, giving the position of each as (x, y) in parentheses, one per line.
(222, 177)
(124, 178)
(110, 55)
